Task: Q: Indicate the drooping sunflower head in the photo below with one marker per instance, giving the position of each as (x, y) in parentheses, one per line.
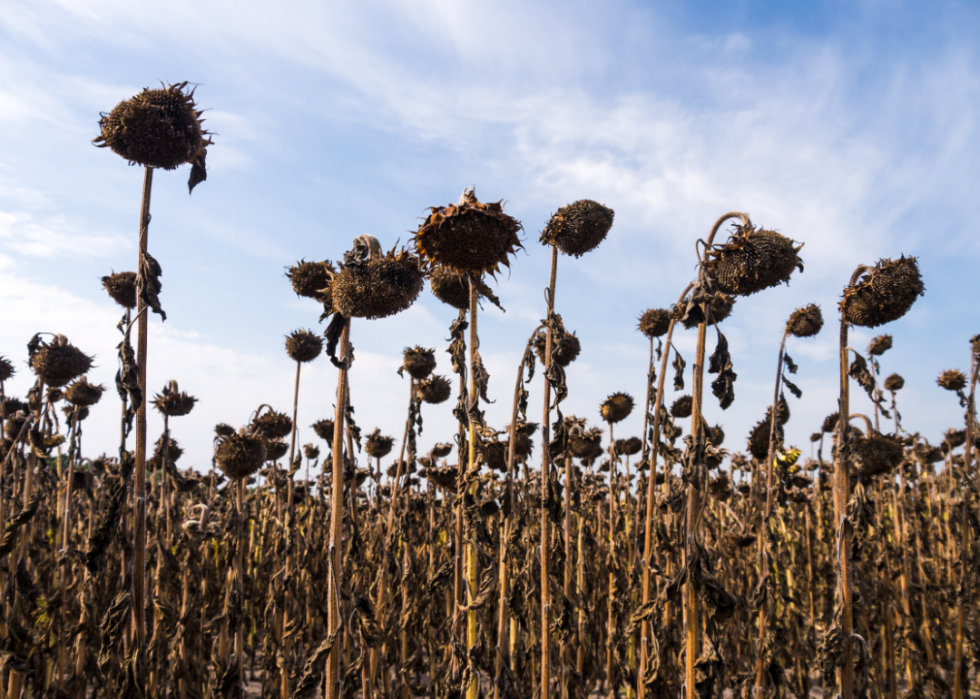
(753, 259)
(6, 369)
(441, 450)
(806, 321)
(378, 285)
(312, 280)
(121, 286)
(883, 294)
(616, 407)
(876, 455)
(565, 347)
(419, 362)
(952, 380)
(879, 345)
(83, 394)
(59, 362)
(434, 389)
(378, 445)
(324, 429)
(240, 454)
(629, 446)
(469, 236)
(158, 128)
(577, 228)
(272, 425)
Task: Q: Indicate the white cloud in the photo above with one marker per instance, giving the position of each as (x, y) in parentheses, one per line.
(55, 236)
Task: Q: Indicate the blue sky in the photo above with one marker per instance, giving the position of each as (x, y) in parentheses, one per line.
(850, 126)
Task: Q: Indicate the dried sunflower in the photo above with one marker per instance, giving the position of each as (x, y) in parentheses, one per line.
(682, 407)
(239, 455)
(378, 285)
(753, 259)
(577, 228)
(952, 380)
(377, 445)
(59, 362)
(303, 345)
(453, 289)
(312, 280)
(716, 435)
(586, 444)
(654, 322)
(172, 402)
(441, 450)
(880, 345)
(565, 347)
(272, 425)
(629, 446)
(468, 236)
(158, 128)
(418, 362)
(894, 382)
(324, 429)
(275, 449)
(434, 390)
(121, 286)
(805, 322)
(83, 394)
(884, 294)
(876, 455)
(616, 407)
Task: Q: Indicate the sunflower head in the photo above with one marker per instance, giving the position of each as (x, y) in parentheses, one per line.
(59, 362)
(682, 407)
(377, 445)
(172, 402)
(158, 128)
(952, 380)
(377, 285)
(577, 228)
(272, 425)
(879, 345)
(6, 369)
(240, 454)
(121, 286)
(441, 450)
(469, 236)
(894, 382)
(753, 259)
(565, 347)
(324, 429)
(629, 446)
(418, 361)
(883, 294)
(304, 345)
(616, 407)
(83, 394)
(312, 280)
(654, 322)
(805, 322)
(434, 389)
(876, 455)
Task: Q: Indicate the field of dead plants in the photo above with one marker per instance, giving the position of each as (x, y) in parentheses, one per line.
(552, 556)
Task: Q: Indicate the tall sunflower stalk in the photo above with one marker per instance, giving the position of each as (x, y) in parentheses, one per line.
(873, 297)
(158, 128)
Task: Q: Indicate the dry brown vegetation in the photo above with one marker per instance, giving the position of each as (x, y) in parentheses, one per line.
(556, 558)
